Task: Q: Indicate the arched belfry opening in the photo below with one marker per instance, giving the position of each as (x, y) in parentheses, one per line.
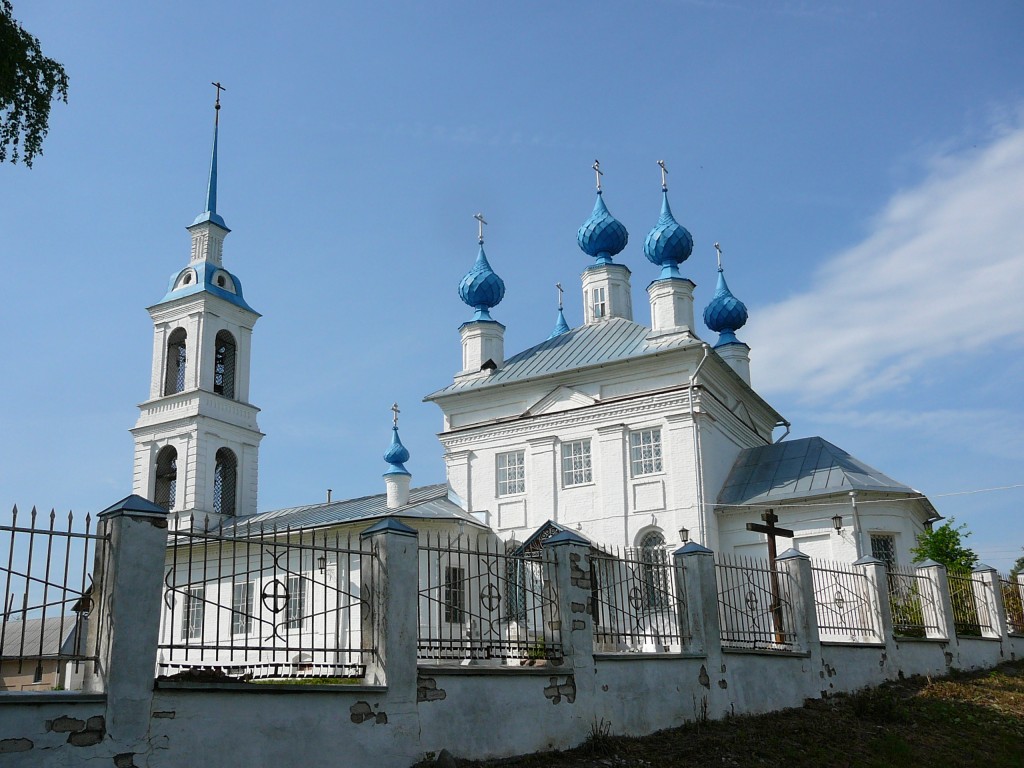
(224, 364)
(166, 487)
(225, 482)
(177, 356)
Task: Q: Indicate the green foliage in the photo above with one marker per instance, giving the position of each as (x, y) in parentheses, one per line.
(945, 545)
(28, 83)
(1018, 567)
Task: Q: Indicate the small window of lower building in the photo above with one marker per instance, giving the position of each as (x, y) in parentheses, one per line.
(454, 594)
(645, 451)
(241, 608)
(576, 469)
(192, 613)
(883, 547)
(296, 615)
(510, 470)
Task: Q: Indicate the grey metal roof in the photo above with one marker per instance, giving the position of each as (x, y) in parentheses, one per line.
(802, 468)
(604, 342)
(429, 502)
(57, 632)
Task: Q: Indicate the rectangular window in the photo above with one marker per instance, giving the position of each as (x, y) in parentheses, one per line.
(511, 472)
(883, 547)
(296, 615)
(600, 305)
(645, 451)
(192, 614)
(241, 608)
(576, 463)
(454, 594)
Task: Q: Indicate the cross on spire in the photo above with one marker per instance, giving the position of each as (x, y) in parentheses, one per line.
(216, 105)
(480, 227)
(598, 173)
(395, 411)
(664, 175)
(718, 252)
(558, 287)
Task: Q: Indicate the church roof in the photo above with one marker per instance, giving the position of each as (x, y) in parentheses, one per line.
(48, 638)
(800, 469)
(596, 344)
(430, 502)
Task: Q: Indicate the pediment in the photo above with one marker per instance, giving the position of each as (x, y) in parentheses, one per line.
(560, 399)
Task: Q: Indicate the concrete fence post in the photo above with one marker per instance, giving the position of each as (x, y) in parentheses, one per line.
(936, 573)
(390, 627)
(878, 596)
(805, 614)
(697, 587)
(126, 619)
(990, 595)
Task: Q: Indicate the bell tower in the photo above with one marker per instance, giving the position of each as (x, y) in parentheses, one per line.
(196, 439)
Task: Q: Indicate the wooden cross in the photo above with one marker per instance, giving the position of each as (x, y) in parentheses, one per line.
(598, 173)
(771, 530)
(718, 250)
(558, 287)
(480, 227)
(664, 175)
(395, 411)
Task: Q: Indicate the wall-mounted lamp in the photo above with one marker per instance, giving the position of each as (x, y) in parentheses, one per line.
(837, 522)
(684, 534)
(321, 563)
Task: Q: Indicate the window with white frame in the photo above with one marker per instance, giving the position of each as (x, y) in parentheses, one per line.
(576, 463)
(511, 473)
(454, 594)
(645, 451)
(241, 608)
(600, 303)
(296, 614)
(192, 613)
(883, 547)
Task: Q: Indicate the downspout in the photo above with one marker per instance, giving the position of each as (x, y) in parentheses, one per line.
(787, 425)
(701, 527)
(856, 526)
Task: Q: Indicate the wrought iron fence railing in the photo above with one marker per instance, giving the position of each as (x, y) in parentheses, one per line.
(755, 604)
(971, 615)
(635, 603)
(842, 599)
(913, 602)
(258, 602)
(45, 568)
(1013, 600)
(481, 600)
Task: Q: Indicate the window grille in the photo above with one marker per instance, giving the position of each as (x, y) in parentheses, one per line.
(600, 304)
(192, 614)
(224, 365)
(511, 470)
(296, 614)
(166, 478)
(883, 547)
(454, 594)
(576, 463)
(225, 476)
(174, 376)
(645, 451)
(241, 608)
(655, 572)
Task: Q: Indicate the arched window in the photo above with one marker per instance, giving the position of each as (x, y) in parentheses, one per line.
(225, 481)
(224, 365)
(174, 377)
(654, 560)
(166, 478)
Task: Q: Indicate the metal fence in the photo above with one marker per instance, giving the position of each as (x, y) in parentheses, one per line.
(842, 599)
(754, 604)
(480, 599)
(265, 602)
(1013, 599)
(45, 565)
(913, 602)
(971, 615)
(635, 602)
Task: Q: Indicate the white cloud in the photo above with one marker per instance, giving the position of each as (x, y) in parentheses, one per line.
(939, 276)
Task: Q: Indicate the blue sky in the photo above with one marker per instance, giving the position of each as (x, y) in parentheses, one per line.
(862, 165)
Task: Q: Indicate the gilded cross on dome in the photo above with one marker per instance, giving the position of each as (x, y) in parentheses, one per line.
(395, 411)
(664, 175)
(480, 227)
(598, 173)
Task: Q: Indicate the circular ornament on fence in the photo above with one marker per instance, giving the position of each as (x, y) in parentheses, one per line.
(490, 597)
(275, 596)
(636, 599)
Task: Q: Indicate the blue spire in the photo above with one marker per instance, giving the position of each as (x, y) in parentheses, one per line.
(560, 325)
(724, 314)
(669, 244)
(211, 214)
(602, 235)
(481, 288)
(397, 454)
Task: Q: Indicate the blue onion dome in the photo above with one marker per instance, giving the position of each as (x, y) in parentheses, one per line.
(396, 456)
(725, 314)
(669, 244)
(481, 288)
(560, 325)
(602, 235)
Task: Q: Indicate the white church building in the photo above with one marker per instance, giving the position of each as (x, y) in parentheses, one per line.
(631, 434)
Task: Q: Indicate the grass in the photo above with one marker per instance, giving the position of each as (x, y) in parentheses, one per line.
(964, 720)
